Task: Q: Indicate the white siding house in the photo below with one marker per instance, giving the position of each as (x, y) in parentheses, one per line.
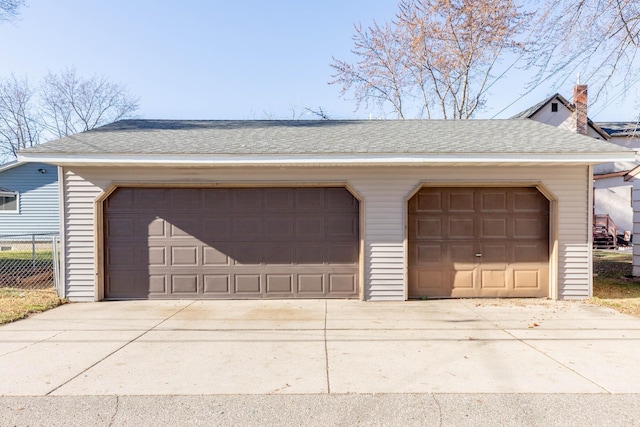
(627, 135)
(612, 186)
(381, 163)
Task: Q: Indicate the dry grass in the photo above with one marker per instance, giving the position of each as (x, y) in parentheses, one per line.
(19, 303)
(613, 285)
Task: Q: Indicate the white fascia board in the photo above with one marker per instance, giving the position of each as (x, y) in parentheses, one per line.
(373, 159)
(10, 165)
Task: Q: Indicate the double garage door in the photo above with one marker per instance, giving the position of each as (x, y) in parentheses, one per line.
(199, 243)
(231, 243)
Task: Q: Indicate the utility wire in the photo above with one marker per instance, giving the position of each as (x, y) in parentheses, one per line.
(617, 96)
(522, 96)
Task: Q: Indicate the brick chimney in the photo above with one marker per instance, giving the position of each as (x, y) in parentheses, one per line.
(580, 102)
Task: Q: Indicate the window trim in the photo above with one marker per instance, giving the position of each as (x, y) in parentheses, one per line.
(11, 194)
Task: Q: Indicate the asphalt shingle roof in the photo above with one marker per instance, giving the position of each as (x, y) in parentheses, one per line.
(334, 137)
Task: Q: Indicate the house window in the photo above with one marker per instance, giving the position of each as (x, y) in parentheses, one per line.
(554, 107)
(8, 201)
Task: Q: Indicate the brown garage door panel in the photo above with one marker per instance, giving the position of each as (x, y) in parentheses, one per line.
(477, 242)
(231, 243)
(127, 284)
(185, 285)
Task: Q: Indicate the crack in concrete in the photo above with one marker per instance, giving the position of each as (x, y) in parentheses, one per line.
(31, 344)
(435, 399)
(326, 350)
(118, 349)
(115, 412)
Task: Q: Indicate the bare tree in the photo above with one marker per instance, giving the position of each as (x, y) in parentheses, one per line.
(19, 126)
(381, 74)
(319, 114)
(597, 38)
(71, 104)
(435, 59)
(9, 9)
(61, 105)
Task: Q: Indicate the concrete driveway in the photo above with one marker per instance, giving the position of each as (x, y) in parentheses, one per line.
(320, 347)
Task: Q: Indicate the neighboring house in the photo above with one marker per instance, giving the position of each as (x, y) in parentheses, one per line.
(627, 134)
(612, 192)
(377, 210)
(559, 112)
(29, 199)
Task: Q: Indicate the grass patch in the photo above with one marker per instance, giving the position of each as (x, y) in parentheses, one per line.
(15, 260)
(613, 284)
(612, 256)
(27, 255)
(17, 304)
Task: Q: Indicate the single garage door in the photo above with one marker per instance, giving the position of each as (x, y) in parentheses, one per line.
(478, 242)
(231, 243)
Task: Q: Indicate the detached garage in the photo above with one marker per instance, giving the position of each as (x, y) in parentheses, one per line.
(376, 210)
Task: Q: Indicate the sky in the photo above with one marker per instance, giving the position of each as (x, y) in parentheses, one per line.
(225, 59)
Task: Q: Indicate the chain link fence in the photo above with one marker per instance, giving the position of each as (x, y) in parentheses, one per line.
(29, 261)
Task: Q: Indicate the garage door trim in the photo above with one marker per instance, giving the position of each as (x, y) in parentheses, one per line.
(99, 249)
(553, 221)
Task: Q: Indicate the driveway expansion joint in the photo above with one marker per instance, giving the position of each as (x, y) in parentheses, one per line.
(117, 350)
(538, 350)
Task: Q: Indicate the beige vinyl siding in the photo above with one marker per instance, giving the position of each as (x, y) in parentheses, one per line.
(574, 269)
(636, 226)
(383, 191)
(79, 243)
(384, 232)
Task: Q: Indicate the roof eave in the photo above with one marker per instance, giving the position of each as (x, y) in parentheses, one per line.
(5, 192)
(337, 159)
(10, 165)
